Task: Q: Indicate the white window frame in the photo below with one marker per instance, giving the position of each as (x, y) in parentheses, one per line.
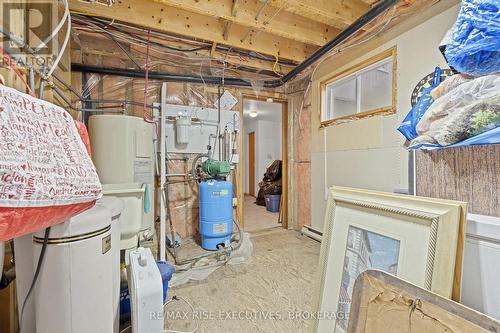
(388, 56)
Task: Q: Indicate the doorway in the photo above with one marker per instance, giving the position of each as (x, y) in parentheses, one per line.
(264, 123)
(251, 164)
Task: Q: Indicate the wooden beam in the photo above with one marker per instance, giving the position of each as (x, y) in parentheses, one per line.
(282, 23)
(234, 7)
(99, 45)
(16, 22)
(227, 30)
(181, 22)
(213, 49)
(337, 13)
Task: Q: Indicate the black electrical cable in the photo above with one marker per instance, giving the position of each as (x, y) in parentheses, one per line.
(37, 273)
(110, 36)
(374, 12)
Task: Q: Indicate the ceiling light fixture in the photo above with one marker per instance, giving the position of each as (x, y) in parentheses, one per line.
(269, 100)
(253, 114)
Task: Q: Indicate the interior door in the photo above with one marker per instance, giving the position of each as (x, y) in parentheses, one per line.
(251, 163)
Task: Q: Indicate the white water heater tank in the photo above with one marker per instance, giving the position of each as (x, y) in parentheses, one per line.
(122, 151)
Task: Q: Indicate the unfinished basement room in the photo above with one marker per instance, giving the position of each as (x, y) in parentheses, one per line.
(253, 166)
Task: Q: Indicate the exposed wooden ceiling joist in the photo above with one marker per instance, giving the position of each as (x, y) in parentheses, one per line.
(337, 13)
(185, 23)
(282, 23)
(98, 44)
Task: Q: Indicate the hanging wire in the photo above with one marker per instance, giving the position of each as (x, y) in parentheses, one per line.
(145, 115)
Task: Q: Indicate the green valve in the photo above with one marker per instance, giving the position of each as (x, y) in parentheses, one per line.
(216, 168)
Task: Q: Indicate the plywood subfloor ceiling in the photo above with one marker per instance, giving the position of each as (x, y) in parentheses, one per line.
(290, 30)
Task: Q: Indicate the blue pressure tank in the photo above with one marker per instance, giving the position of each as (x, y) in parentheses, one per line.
(216, 213)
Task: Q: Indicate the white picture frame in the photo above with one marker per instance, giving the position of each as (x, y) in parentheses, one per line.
(418, 239)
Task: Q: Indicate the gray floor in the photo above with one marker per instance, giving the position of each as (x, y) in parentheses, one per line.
(263, 295)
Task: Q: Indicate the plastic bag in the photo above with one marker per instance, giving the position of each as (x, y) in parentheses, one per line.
(206, 266)
(475, 45)
(409, 124)
(449, 84)
(491, 137)
(470, 109)
(46, 174)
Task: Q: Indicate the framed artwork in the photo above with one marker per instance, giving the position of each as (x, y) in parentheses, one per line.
(383, 303)
(417, 239)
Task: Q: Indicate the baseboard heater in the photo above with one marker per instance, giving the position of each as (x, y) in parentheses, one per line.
(312, 233)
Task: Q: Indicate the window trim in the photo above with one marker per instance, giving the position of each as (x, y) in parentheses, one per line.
(390, 109)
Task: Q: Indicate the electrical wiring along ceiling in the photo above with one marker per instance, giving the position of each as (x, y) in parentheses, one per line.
(177, 54)
(218, 66)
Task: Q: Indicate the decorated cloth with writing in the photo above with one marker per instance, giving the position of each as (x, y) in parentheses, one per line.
(46, 173)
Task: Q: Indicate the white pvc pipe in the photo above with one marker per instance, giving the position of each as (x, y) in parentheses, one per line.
(56, 30)
(65, 42)
(163, 178)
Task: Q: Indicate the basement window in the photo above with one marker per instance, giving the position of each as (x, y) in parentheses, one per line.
(363, 90)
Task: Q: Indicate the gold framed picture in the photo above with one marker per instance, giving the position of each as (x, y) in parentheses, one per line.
(417, 239)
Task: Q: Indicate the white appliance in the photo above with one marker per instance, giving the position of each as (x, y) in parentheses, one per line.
(132, 215)
(122, 151)
(146, 292)
(23, 248)
(481, 268)
(74, 291)
(115, 206)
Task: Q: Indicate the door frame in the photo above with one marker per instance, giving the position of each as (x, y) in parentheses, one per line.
(284, 155)
(251, 168)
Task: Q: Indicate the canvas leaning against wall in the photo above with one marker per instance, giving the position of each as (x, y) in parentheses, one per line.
(384, 303)
(417, 239)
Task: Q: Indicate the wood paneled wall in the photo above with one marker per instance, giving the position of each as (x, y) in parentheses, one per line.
(470, 174)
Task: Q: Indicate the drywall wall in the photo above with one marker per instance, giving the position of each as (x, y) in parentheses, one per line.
(267, 147)
(369, 153)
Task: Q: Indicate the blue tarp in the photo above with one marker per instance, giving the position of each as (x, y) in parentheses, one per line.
(487, 138)
(475, 44)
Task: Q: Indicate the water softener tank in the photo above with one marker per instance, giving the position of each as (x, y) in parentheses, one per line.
(216, 213)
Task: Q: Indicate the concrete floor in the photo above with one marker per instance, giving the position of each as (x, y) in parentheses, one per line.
(257, 218)
(262, 295)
